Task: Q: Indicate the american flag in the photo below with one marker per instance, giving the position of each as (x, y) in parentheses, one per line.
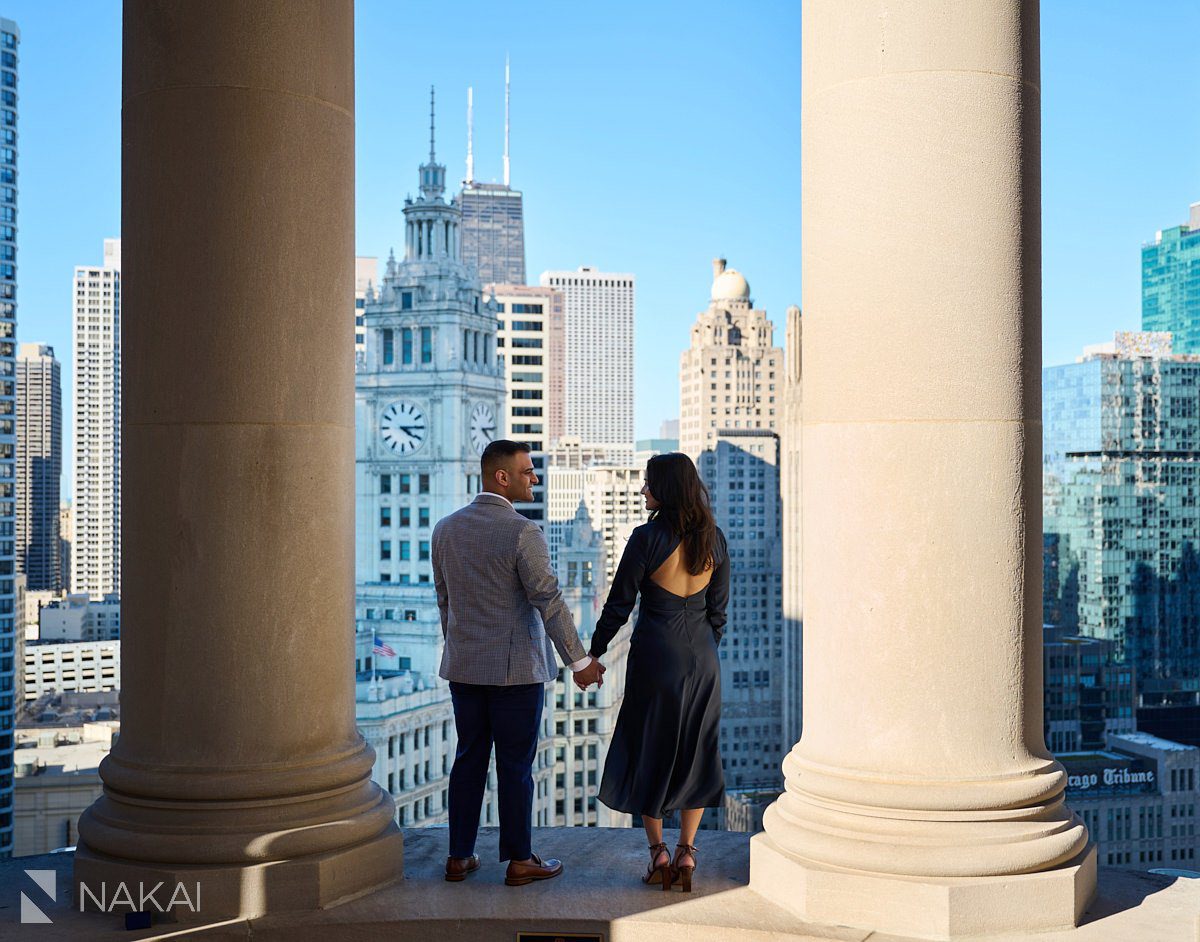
(382, 648)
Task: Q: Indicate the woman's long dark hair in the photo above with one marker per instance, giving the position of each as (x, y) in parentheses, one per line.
(683, 504)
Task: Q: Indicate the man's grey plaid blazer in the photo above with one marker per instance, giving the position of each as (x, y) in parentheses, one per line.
(499, 598)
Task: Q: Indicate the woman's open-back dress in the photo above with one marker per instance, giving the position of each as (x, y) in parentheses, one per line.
(665, 753)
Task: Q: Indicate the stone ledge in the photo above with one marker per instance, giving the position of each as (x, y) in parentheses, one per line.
(599, 892)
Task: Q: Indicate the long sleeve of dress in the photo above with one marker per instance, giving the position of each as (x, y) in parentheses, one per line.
(622, 595)
(717, 598)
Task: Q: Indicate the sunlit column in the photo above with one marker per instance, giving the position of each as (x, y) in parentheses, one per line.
(921, 799)
(238, 752)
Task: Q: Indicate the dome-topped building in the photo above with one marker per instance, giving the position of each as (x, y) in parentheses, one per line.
(728, 283)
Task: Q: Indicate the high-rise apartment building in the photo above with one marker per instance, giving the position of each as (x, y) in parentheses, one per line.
(790, 433)
(743, 479)
(1121, 432)
(1171, 283)
(66, 531)
(96, 434)
(493, 214)
(10, 38)
(528, 315)
(610, 493)
(366, 277)
(1087, 694)
(39, 467)
(598, 311)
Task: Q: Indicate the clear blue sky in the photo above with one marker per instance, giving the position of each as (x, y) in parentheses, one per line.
(646, 139)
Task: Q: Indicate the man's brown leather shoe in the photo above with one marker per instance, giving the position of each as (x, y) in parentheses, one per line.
(457, 868)
(518, 874)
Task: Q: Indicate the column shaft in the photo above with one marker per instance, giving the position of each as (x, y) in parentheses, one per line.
(238, 744)
(922, 754)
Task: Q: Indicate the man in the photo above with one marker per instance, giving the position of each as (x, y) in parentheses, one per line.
(502, 617)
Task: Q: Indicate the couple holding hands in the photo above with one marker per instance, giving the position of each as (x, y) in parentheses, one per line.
(503, 618)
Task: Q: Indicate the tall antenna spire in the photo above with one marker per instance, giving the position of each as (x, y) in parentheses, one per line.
(506, 118)
(470, 134)
(432, 155)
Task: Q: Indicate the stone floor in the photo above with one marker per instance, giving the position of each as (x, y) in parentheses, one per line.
(598, 893)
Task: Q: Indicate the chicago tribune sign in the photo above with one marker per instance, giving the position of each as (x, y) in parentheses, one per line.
(1109, 777)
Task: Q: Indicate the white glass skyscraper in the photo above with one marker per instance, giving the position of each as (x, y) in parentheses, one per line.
(10, 38)
(598, 310)
(96, 433)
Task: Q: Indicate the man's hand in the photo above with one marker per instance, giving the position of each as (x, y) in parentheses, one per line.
(592, 674)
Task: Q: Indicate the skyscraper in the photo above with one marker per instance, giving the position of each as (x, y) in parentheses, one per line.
(731, 384)
(1121, 517)
(96, 389)
(793, 585)
(366, 276)
(493, 214)
(597, 362)
(1171, 283)
(528, 315)
(39, 467)
(10, 37)
(428, 401)
(731, 377)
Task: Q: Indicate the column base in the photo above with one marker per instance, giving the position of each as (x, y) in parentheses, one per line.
(925, 907)
(238, 891)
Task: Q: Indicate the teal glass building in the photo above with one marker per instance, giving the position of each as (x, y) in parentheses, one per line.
(1171, 283)
(1121, 524)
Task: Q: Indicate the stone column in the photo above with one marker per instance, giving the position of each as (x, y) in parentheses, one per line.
(239, 765)
(921, 798)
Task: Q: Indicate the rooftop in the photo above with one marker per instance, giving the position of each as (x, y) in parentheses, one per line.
(599, 892)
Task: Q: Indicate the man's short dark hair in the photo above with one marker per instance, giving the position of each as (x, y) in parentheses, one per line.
(497, 455)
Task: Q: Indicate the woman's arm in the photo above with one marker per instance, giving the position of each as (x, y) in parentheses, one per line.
(717, 597)
(622, 595)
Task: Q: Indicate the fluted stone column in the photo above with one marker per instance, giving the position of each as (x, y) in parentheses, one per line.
(921, 798)
(239, 764)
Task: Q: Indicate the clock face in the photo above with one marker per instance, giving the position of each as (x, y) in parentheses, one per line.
(402, 427)
(483, 426)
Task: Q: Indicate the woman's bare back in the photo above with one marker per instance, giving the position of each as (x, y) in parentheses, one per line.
(673, 575)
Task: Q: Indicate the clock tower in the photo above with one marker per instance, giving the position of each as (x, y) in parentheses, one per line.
(428, 400)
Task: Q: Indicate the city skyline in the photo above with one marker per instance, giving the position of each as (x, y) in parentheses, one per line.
(1099, 129)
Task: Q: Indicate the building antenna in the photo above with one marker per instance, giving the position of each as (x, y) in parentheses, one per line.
(432, 157)
(506, 118)
(470, 134)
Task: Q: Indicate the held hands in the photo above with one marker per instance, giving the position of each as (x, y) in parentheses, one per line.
(592, 674)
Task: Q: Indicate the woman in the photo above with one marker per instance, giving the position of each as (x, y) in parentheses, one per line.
(664, 754)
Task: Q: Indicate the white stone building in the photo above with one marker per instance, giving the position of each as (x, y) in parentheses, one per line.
(598, 357)
(70, 667)
(366, 277)
(79, 618)
(731, 376)
(530, 338)
(610, 493)
(96, 431)
(584, 721)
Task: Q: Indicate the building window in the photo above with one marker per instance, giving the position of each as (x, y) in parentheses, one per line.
(423, 516)
(423, 550)
(406, 300)
(405, 483)
(423, 484)
(385, 549)
(426, 344)
(385, 516)
(404, 550)
(406, 346)
(389, 352)
(405, 517)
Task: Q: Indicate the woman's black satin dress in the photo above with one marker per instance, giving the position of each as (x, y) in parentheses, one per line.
(665, 752)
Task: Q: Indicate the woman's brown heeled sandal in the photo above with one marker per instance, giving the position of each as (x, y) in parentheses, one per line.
(684, 873)
(656, 872)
